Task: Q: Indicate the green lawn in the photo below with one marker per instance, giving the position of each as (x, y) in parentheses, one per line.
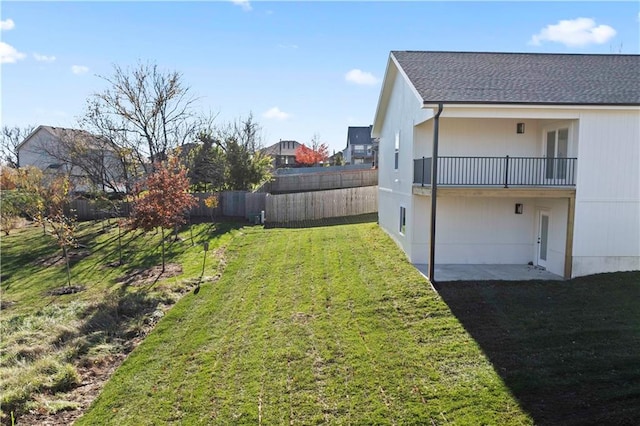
(309, 326)
(50, 344)
(328, 325)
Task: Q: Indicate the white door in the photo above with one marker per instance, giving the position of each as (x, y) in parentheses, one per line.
(542, 238)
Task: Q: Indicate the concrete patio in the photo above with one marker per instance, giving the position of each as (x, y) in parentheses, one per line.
(450, 272)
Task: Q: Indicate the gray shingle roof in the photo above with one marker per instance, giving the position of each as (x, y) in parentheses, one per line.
(359, 135)
(523, 78)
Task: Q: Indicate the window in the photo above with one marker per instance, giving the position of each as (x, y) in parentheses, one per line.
(396, 155)
(403, 220)
(556, 151)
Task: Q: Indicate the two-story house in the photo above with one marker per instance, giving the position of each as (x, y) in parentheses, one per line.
(88, 160)
(282, 153)
(359, 149)
(512, 158)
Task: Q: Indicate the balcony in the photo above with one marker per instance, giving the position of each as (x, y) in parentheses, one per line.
(497, 171)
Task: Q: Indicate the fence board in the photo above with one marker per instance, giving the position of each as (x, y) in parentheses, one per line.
(321, 181)
(321, 204)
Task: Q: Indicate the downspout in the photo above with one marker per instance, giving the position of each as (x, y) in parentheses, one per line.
(434, 194)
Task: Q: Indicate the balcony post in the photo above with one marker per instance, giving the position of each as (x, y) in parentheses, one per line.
(506, 173)
(434, 195)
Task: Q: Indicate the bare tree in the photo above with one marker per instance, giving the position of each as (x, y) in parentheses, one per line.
(88, 159)
(10, 138)
(151, 109)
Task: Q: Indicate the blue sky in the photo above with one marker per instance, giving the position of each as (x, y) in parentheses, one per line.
(300, 67)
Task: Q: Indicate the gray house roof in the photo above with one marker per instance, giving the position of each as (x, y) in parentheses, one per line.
(359, 135)
(281, 148)
(522, 78)
(64, 133)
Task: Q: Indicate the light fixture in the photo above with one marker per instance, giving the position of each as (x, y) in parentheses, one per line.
(519, 208)
(520, 128)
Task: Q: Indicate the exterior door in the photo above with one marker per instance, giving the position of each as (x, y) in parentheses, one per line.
(556, 152)
(542, 238)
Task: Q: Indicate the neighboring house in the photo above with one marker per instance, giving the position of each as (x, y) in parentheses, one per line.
(537, 159)
(85, 158)
(283, 153)
(359, 148)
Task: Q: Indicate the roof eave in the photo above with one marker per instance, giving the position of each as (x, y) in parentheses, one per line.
(434, 104)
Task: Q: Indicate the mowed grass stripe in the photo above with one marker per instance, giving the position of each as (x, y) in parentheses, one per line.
(309, 326)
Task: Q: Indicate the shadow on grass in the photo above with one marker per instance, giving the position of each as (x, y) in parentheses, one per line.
(568, 351)
(108, 317)
(332, 221)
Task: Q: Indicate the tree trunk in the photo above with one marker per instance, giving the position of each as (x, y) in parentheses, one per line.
(162, 229)
(119, 244)
(66, 258)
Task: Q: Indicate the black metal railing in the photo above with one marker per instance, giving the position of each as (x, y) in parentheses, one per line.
(497, 171)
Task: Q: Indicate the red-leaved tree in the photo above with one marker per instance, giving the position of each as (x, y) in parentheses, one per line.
(311, 156)
(162, 200)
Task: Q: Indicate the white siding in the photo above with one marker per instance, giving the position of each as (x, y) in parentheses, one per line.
(34, 151)
(490, 137)
(607, 221)
(403, 111)
(473, 230)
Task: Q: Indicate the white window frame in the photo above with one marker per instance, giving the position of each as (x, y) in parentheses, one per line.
(402, 228)
(396, 153)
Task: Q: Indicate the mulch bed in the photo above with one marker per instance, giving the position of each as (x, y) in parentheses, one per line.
(60, 291)
(141, 277)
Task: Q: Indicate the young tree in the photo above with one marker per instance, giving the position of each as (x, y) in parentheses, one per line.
(8, 178)
(63, 226)
(10, 138)
(162, 200)
(211, 202)
(310, 156)
(34, 193)
(10, 209)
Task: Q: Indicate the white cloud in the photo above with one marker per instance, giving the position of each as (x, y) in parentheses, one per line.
(577, 32)
(360, 77)
(288, 46)
(79, 69)
(7, 25)
(43, 58)
(276, 114)
(244, 4)
(9, 54)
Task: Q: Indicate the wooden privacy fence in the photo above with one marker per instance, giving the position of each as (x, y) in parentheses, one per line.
(321, 204)
(230, 204)
(278, 208)
(321, 180)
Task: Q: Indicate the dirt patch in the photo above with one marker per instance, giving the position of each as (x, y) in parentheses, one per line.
(58, 259)
(5, 304)
(66, 290)
(142, 277)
